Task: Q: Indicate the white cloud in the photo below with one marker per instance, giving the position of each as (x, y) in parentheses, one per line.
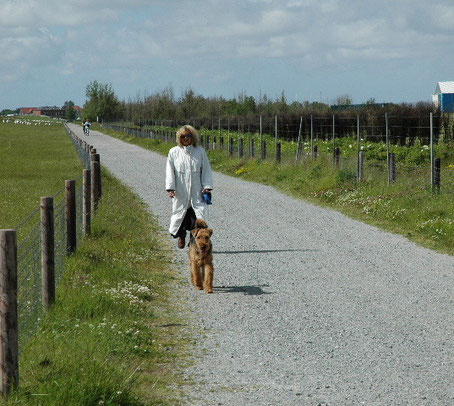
(92, 37)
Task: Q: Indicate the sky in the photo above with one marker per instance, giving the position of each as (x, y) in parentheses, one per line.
(312, 50)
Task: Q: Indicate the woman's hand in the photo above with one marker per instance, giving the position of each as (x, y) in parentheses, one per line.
(171, 193)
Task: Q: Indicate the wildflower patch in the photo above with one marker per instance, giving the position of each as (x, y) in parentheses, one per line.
(133, 293)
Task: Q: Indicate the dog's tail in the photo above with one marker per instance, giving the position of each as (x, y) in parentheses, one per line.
(199, 223)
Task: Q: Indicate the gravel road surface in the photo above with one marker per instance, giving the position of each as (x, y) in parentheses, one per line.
(309, 307)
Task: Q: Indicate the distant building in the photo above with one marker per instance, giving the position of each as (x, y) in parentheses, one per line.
(443, 97)
(48, 111)
(26, 110)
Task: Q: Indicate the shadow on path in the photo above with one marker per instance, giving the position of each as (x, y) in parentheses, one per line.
(260, 251)
(247, 290)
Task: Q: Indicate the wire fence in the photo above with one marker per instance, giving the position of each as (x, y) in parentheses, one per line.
(29, 249)
(393, 149)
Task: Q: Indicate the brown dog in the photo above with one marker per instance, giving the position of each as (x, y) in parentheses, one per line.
(201, 256)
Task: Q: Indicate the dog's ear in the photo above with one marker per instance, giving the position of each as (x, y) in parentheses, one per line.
(210, 231)
(195, 231)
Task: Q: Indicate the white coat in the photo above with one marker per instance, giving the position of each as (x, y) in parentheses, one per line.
(188, 172)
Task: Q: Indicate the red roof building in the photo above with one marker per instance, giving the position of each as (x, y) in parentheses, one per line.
(26, 110)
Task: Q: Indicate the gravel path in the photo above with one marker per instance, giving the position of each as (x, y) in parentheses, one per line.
(310, 307)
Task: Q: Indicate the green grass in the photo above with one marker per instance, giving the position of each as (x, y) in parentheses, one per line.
(114, 335)
(36, 161)
(407, 207)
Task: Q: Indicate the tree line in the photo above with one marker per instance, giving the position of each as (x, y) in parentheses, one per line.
(406, 121)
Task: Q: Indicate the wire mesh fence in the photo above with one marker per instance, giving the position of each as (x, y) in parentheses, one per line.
(33, 258)
(412, 142)
(29, 250)
(82, 147)
(29, 282)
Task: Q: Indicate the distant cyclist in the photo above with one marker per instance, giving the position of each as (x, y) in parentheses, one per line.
(86, 126)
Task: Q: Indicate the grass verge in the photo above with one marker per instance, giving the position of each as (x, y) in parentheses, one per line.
(406, 207)
(114, 336)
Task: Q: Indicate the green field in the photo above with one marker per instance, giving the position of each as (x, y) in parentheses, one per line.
(36, 161)
(113, 336)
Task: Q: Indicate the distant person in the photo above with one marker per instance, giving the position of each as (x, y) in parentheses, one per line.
(86, 126)
(188, 178)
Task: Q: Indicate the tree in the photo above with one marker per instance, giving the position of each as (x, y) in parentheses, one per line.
(103, 104)
(344, 100)
(70, 113)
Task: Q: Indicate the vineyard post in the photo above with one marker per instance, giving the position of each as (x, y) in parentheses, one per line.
(437, 173)
(391, 168)
(261, 135)
(334, 135)
(299, 145)
(432, 178)
(275, 129)
(360, 166)
(388, 163)
(278, 153)
(312, 133)
(358, 148)
(263, 149)
(337, 153)
(219, 126)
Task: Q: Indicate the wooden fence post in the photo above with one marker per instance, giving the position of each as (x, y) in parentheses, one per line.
(337, 154)
(391, 168)
(9, 338)
(95, 179)
(86, 205)
(241, 148)
(437, 173)
(251, 148)
(231, 146)
(71, 230)
(47, 252)
(360, 175)
(263, 150)
(95, 157)
(278, 152)
(314, 152)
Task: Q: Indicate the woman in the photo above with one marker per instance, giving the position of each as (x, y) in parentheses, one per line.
(188, 176)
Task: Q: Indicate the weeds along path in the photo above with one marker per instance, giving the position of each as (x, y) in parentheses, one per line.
(309, 307)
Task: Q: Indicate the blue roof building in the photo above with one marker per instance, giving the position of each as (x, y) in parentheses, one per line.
(444, 97)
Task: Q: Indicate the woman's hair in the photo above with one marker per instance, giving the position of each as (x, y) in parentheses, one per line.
(187, 129)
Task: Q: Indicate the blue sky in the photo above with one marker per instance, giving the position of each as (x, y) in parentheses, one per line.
(316, 50)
